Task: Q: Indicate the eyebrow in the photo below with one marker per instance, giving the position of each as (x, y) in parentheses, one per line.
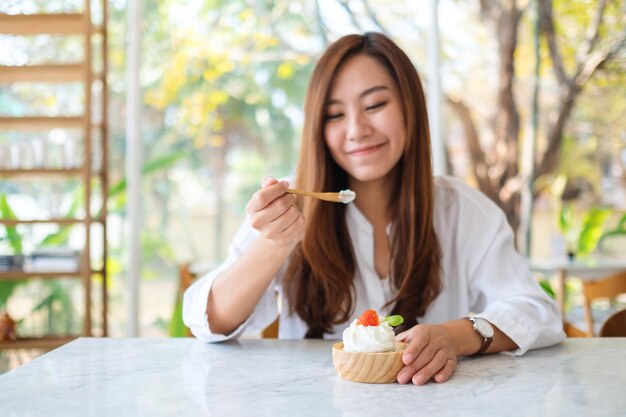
(363, 94)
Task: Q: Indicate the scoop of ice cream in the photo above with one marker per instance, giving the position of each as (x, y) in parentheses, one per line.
(347, 196)
(359, 338)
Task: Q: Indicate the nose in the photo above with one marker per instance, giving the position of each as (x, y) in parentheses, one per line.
(358, 127)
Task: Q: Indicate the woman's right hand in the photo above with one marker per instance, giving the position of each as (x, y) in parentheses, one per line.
(274, 213)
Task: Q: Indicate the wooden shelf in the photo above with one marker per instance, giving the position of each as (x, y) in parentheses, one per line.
(83, 70)
(66, 222)
(42, 73)
(41, 122)
(46, 173)
(34, 24)
(46, 342)
(18, 275)
(14, 222)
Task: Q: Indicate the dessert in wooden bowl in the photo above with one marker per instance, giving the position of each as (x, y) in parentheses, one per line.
(368, 367)
(369, 352)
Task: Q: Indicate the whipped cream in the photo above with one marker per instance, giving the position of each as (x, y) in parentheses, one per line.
(358, 338)
(347, 196)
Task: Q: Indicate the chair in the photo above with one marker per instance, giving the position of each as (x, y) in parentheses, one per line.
(609, 287)
(185, 279)
(615, 326)
(271, 331)
(573, 331)
(188, 273)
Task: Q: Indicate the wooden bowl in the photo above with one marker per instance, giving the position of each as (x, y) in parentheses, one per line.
(371, 368)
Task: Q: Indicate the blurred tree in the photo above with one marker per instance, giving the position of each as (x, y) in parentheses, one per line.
(583, 44)
(231, 84)
(591, 37)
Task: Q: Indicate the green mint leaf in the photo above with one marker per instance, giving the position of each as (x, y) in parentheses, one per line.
(394, 320)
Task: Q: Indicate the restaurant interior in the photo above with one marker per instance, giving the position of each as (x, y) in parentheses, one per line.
(133, 134)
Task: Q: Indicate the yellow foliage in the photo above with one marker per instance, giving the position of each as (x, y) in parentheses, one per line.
(217, 124)
(114, 268)
(199, 142)
(264, 41)
(50, 101)
(218, 65)
(217, 141)
(246, 14)
(117, 57)
(253, 98)
(225, 66)
(285, 70)
(218, 97)
(180, 62)
(156, 99)
(302, 59)
(172, 82)
(211, 74)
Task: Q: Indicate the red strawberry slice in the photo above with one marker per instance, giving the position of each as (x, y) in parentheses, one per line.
(368, 318)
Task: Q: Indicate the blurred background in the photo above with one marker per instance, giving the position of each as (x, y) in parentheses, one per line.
(533, 105)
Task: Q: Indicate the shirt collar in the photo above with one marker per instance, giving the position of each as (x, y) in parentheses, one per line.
(356, 219)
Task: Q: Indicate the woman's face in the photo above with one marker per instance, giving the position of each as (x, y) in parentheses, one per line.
(364, 125)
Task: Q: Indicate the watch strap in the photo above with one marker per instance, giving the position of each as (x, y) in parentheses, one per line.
(486, 340)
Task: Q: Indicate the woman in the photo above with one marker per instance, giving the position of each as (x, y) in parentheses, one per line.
(430, 249)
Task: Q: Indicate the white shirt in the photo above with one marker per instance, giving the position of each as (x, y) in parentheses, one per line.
(481, 272)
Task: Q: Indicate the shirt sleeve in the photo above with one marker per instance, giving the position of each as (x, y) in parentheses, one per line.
(195, 299)
(504, 292)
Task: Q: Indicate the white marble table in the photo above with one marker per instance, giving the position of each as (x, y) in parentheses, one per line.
(185, 378)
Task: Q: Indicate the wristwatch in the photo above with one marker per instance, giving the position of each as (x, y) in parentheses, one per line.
(485, 330)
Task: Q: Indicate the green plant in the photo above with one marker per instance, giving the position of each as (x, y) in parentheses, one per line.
(571, 288)
(117, 198)
(58, 308)
(15, 243)
(582, 239)
(117, 192)
(14, 239)
(176, 327)
(57, 300)
(619, 230)
(547, 287)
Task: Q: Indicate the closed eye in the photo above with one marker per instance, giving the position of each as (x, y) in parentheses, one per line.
(376, 106)
(336, 116)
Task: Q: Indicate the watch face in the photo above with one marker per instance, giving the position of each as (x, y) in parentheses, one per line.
(483, 327)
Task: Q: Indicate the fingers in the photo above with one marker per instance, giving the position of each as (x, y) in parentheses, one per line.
(281, 224)
(429, 355)
(273, 212)
(440, 363)
(418, 338)
(420, 369)
(267, 181)
(446, 372)
(272, 189)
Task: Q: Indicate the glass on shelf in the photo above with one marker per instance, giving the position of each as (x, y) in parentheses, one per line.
(4, 156)
(14, 156)
(11, 263)
(53, 260)
(39, 152)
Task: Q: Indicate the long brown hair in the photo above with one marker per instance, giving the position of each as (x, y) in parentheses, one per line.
(319, 279)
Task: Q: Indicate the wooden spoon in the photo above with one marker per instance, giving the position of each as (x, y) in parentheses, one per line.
(343, 196)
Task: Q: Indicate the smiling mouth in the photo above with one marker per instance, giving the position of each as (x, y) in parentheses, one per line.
(366, 150)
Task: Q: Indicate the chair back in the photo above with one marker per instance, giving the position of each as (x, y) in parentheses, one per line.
(188, 274)
(609, 287)
(615, 326)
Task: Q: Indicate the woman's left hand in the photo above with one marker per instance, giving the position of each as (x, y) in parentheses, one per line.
(431, 354)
